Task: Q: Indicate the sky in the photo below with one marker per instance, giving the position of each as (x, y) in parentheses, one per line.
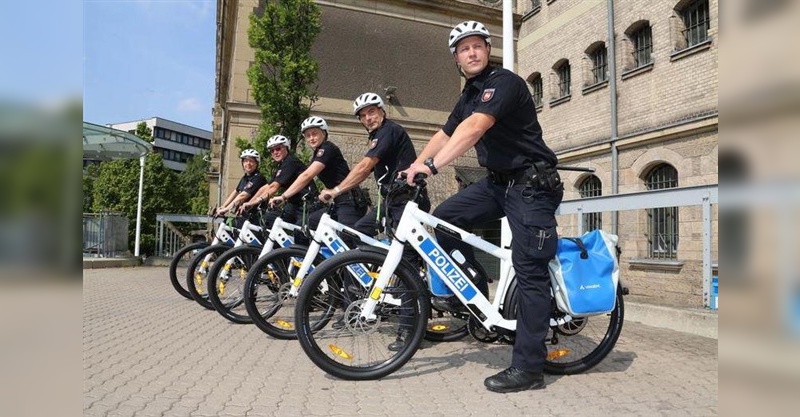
(41, 45)
(149, 58)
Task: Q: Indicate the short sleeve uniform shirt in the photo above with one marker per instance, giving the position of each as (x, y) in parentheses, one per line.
(336, 168)
(392, 147)
(515, 140)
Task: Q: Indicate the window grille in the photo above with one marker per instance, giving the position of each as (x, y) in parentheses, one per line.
(599, 65)
(591, 187)
(642, 46)
(564, 80)
(696, 21)
(662, 222)
(537, 90)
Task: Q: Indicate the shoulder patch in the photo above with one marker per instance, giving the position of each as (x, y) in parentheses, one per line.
(278, 173)
(373, 143)
(487, 94)
(320, 152)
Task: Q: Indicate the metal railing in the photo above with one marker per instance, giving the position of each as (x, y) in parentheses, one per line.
(572, 212)
(173, 231)
(105, 234)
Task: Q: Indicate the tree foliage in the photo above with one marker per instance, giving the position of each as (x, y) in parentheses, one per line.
(116, 188)
(283, 77)
(194, 181)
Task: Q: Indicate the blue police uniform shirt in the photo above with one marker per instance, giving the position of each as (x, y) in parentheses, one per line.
(250, 183)
(393, 148)
(515, 141)
(287, 172)
(336, 168)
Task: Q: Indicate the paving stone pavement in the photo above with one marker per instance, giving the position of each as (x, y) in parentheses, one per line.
(150, 352)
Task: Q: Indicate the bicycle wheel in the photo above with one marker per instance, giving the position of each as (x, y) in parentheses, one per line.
(577, 345)
(225, 282)
(266, 293)
(182, 258)
(197, 273)
(361, 350)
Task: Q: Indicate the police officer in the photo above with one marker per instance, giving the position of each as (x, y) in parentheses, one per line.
(389, 151)
(496, 115)
(330, 167)
(287, 170)
(251, 182)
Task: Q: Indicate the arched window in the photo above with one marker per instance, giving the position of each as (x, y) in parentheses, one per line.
(563, 78)
(536, 88)
(640, 35)
(598, 57)
(662, 222)
(591, 187)
(693, 24)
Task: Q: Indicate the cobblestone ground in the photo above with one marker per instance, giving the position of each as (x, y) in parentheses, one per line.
(150, 352)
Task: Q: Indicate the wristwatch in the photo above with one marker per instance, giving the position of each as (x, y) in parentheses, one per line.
(429, 163)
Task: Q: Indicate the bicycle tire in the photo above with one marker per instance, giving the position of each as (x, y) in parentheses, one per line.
(183, 257)
(266, 291)
(197, 273)
(581, 344)
(359, 350)
(226, 294)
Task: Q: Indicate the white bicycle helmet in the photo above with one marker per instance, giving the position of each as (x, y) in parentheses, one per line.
(250, 153)
(468, 28)
(314, 121)
(277, 140)
(367, 99)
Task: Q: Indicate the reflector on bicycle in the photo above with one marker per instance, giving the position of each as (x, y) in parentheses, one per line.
(556, 354)
(339, 352)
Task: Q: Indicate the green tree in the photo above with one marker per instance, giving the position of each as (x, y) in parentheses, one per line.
(194, 182)
(116, 188)
(144, 132)
(283, 77)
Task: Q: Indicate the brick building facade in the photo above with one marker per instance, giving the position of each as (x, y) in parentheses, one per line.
(666, 82)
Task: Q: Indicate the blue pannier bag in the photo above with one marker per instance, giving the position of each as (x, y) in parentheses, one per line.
(584, 274)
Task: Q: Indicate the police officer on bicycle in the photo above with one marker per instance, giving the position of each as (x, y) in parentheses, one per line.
(390, 151)
(287, 170)
(250, 183)
(329, 165)
(497, 116)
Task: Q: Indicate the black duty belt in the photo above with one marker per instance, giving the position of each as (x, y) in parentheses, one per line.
(513, 177)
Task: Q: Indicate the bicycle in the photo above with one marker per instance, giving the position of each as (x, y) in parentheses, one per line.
(197, 273)
(274, 281)
(185, 254)
(575, 344)
(226, 278)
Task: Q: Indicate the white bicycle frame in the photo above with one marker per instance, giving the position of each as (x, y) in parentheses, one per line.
(411, 229)
(327, 234)
(246, 236)
(277, 235)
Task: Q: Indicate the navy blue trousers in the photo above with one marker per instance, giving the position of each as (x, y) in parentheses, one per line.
(531, 217)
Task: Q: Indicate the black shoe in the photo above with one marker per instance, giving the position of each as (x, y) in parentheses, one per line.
(400, 342)
(451, 304)
(513, 380)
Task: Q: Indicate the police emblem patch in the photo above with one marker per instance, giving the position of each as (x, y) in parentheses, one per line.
(373, 143)
(278, 173)
(487, 94)
(320, 152)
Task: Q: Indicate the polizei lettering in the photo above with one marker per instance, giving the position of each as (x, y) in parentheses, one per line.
(447, 269)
